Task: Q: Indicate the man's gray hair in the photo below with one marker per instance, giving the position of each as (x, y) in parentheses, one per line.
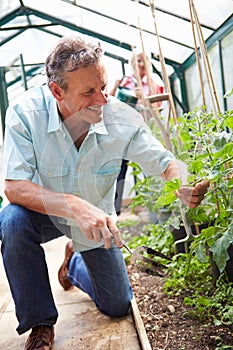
(71, 53)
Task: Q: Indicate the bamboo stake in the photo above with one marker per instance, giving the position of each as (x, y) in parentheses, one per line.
(197, 57)
(209, 76)
(146, 102)
(148, 71)
(207, 61)
(139, 84)
(167, 85)
(164, 73)
(148, 75)
(148, 108)
(162, 60)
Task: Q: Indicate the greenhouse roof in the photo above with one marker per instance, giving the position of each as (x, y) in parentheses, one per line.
(31, 27)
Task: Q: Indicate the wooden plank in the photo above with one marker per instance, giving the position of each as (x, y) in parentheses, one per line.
(158, 97)
(3, 306)
(140, 326)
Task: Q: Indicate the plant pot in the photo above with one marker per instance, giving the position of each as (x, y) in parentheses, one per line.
(228, 269)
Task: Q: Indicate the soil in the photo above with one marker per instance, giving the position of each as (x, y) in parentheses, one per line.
(167, 322)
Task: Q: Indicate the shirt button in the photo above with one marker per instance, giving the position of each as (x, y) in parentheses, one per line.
(49, 174)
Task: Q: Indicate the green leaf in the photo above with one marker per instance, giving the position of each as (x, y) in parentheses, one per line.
(172, 185)
(164, 200)
(228, 93)
(219, 249)
(229, 122)
(221, 139)
(200, 252)
(217, 323)
(167, 194)
(196, 166)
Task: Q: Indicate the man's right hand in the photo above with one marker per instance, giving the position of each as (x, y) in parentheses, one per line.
(94, 222)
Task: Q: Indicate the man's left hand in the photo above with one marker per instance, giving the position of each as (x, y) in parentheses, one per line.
(192, 196)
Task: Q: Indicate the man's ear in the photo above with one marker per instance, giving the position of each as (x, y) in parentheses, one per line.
(56, 90)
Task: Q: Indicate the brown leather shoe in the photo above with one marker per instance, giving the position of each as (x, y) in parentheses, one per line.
(40, 338)
(63, 271)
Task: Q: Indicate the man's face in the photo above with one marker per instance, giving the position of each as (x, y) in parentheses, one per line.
(85, 95)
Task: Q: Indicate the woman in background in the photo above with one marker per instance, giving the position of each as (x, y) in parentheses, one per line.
(142, 83)
(142, 80)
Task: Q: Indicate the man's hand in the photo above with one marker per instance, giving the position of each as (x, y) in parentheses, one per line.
(192, 196)
(92, 221)
(95, 223)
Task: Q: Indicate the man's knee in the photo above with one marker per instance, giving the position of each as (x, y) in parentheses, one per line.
(13, 219)
(118, 307)
(116, 312)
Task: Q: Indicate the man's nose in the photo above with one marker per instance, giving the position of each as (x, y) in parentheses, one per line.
(101, 98)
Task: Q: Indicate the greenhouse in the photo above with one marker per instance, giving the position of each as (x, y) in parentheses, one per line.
(133, 149)
(38, 25)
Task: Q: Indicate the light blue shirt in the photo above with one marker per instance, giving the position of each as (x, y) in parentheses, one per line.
(38, 148)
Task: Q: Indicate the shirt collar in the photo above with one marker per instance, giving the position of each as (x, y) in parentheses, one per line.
(99, 128)
(55, 122)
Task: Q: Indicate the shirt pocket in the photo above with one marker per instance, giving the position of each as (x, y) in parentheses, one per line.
(99, 186)
(54, 177)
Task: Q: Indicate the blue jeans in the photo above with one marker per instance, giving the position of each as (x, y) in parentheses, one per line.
(99, 272)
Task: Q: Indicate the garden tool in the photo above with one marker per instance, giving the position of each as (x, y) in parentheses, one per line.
(145, 263)
(188, 231)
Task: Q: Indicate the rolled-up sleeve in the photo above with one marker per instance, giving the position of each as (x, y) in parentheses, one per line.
(148, 152)
(19, 158)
